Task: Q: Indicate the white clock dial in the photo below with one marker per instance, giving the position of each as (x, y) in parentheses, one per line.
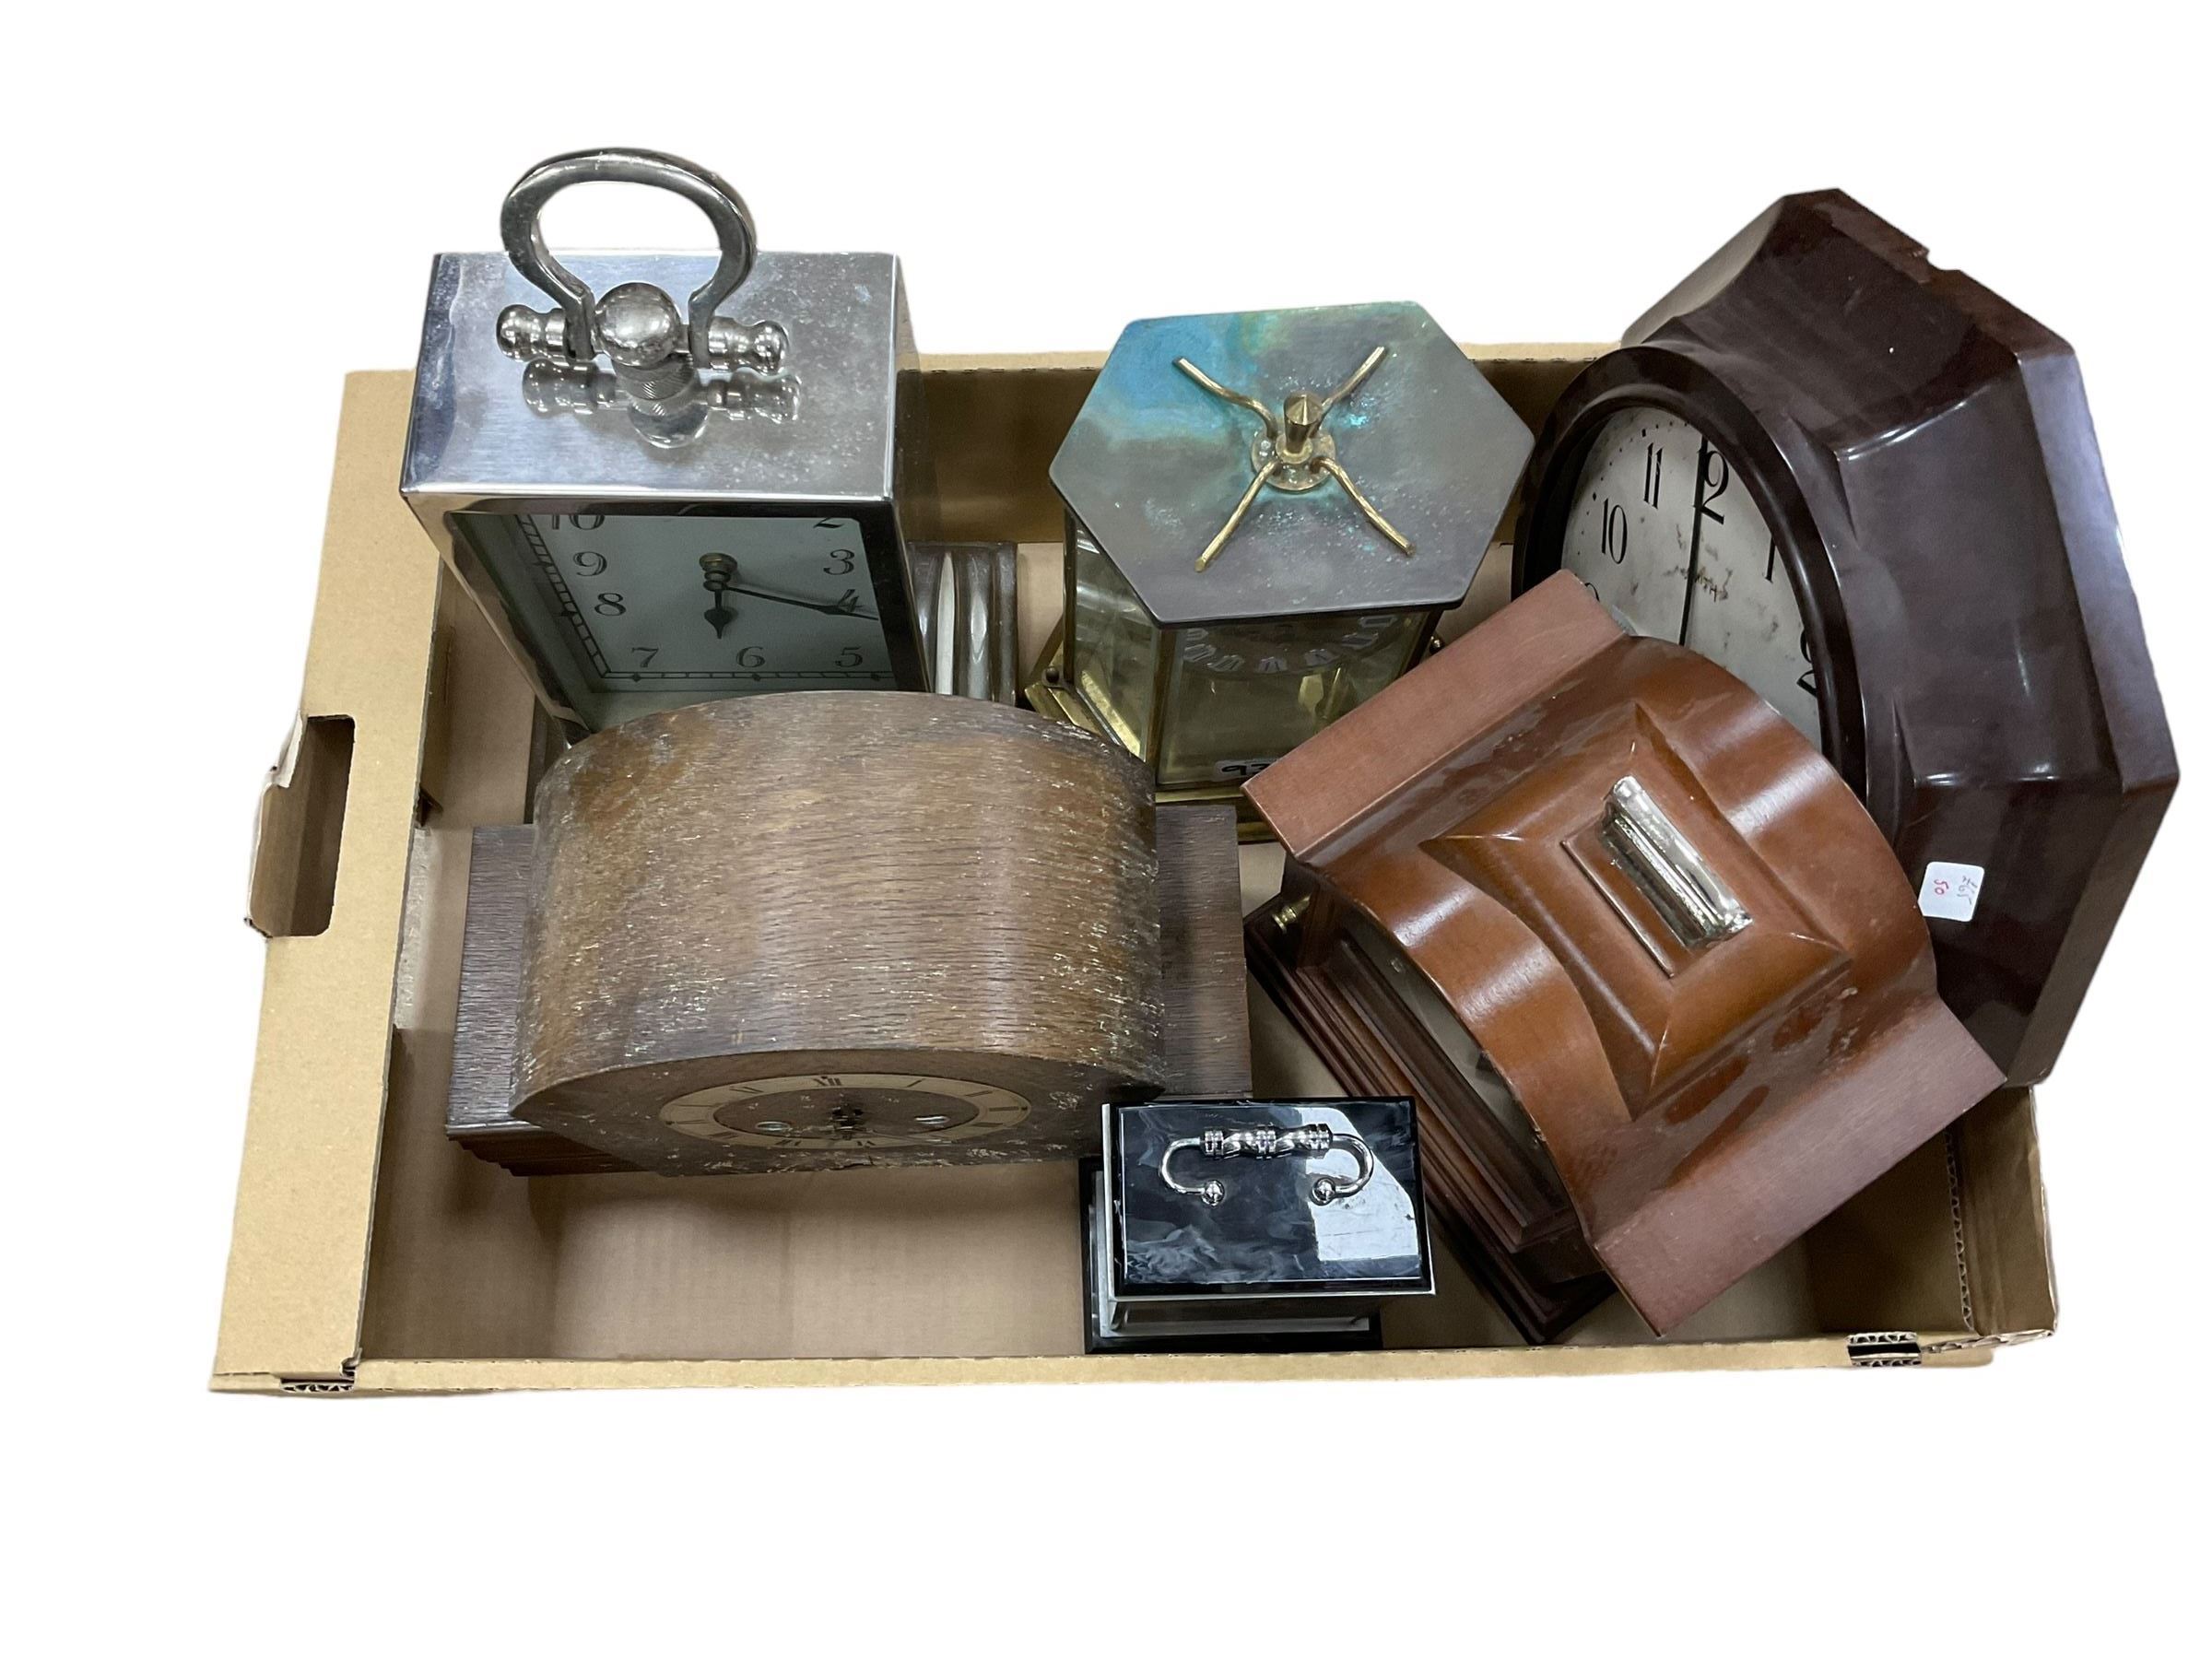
(1628, 537)
(1666, 536)
(697, 606)
(846, 1111)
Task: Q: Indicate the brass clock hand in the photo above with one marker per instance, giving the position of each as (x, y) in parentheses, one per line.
(719, 569)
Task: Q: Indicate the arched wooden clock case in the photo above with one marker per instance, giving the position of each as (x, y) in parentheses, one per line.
(1923, 456)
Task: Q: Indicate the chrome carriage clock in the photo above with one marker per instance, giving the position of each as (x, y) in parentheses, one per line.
(1266, 510)
(658, 504)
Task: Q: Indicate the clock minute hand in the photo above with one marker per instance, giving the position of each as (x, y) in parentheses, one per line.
(1697, 534)
(812, 604)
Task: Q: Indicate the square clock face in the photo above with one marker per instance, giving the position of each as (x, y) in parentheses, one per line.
(631, 612)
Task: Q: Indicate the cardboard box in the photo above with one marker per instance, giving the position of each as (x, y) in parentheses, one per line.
(368, 1256)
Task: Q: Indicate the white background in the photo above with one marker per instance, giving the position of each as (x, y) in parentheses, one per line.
(213, 214)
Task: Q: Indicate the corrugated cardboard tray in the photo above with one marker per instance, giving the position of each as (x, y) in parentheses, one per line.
(368, 1256)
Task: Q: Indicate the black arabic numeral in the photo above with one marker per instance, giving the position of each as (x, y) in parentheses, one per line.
(1654, 458)
(1613, 533)
(591, 563)
(1772, 552)
(1805, 650)
(645, 654)
(587, 521)
(1714, 490)
(751, 657)
(610, 604)
(850, 657)
(836, 569)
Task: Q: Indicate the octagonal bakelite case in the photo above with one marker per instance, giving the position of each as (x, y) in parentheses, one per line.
(1713, 1045)
(1923, 454)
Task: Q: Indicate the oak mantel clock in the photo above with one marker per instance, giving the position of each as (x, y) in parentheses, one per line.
(660, 504)
(774, 934)
(1869, 488)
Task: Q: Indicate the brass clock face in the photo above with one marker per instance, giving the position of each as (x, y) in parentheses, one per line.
(830, 1111)
(1663, 533)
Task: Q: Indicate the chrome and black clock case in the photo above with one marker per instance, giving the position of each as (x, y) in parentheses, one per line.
(1265, 1225)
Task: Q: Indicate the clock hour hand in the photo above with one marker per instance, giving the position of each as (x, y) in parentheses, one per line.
(719, 569)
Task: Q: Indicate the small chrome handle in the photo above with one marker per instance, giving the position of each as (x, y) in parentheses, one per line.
(1695, 903)
(526, 242)
(1267, 1141)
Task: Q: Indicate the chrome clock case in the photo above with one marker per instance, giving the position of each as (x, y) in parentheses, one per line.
(627, 402)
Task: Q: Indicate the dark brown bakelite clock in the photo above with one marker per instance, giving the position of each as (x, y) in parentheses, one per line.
(1870, 489)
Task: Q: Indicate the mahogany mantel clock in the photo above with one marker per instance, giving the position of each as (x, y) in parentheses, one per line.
(1647, 969)
(1870, 489)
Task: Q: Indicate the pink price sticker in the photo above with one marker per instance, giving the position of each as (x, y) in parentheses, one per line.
(1949, 891)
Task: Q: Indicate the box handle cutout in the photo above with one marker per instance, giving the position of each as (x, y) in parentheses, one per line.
(295, 873)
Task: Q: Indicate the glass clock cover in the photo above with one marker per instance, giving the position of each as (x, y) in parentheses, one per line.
(1317, 588)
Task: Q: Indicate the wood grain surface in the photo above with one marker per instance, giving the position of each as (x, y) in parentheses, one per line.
(1207, 1038)
(1702, 1109)
(839, 883)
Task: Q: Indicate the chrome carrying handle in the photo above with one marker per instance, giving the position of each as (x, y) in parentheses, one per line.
(1695, 903)
(525, 243)
(1317, 1139)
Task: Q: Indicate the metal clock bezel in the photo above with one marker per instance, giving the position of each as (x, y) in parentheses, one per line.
(1649, 377)
(881, 543)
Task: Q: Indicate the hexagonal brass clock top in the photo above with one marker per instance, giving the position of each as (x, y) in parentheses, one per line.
(1398, 479)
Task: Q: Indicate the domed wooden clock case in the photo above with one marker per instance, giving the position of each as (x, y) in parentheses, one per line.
(1646, 966)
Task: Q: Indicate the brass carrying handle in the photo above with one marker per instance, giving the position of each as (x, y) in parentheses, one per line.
(1297, 453)
(1266, 1141)
(526, 242)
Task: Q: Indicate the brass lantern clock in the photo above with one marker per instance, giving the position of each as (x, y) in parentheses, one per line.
(1267, 512)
